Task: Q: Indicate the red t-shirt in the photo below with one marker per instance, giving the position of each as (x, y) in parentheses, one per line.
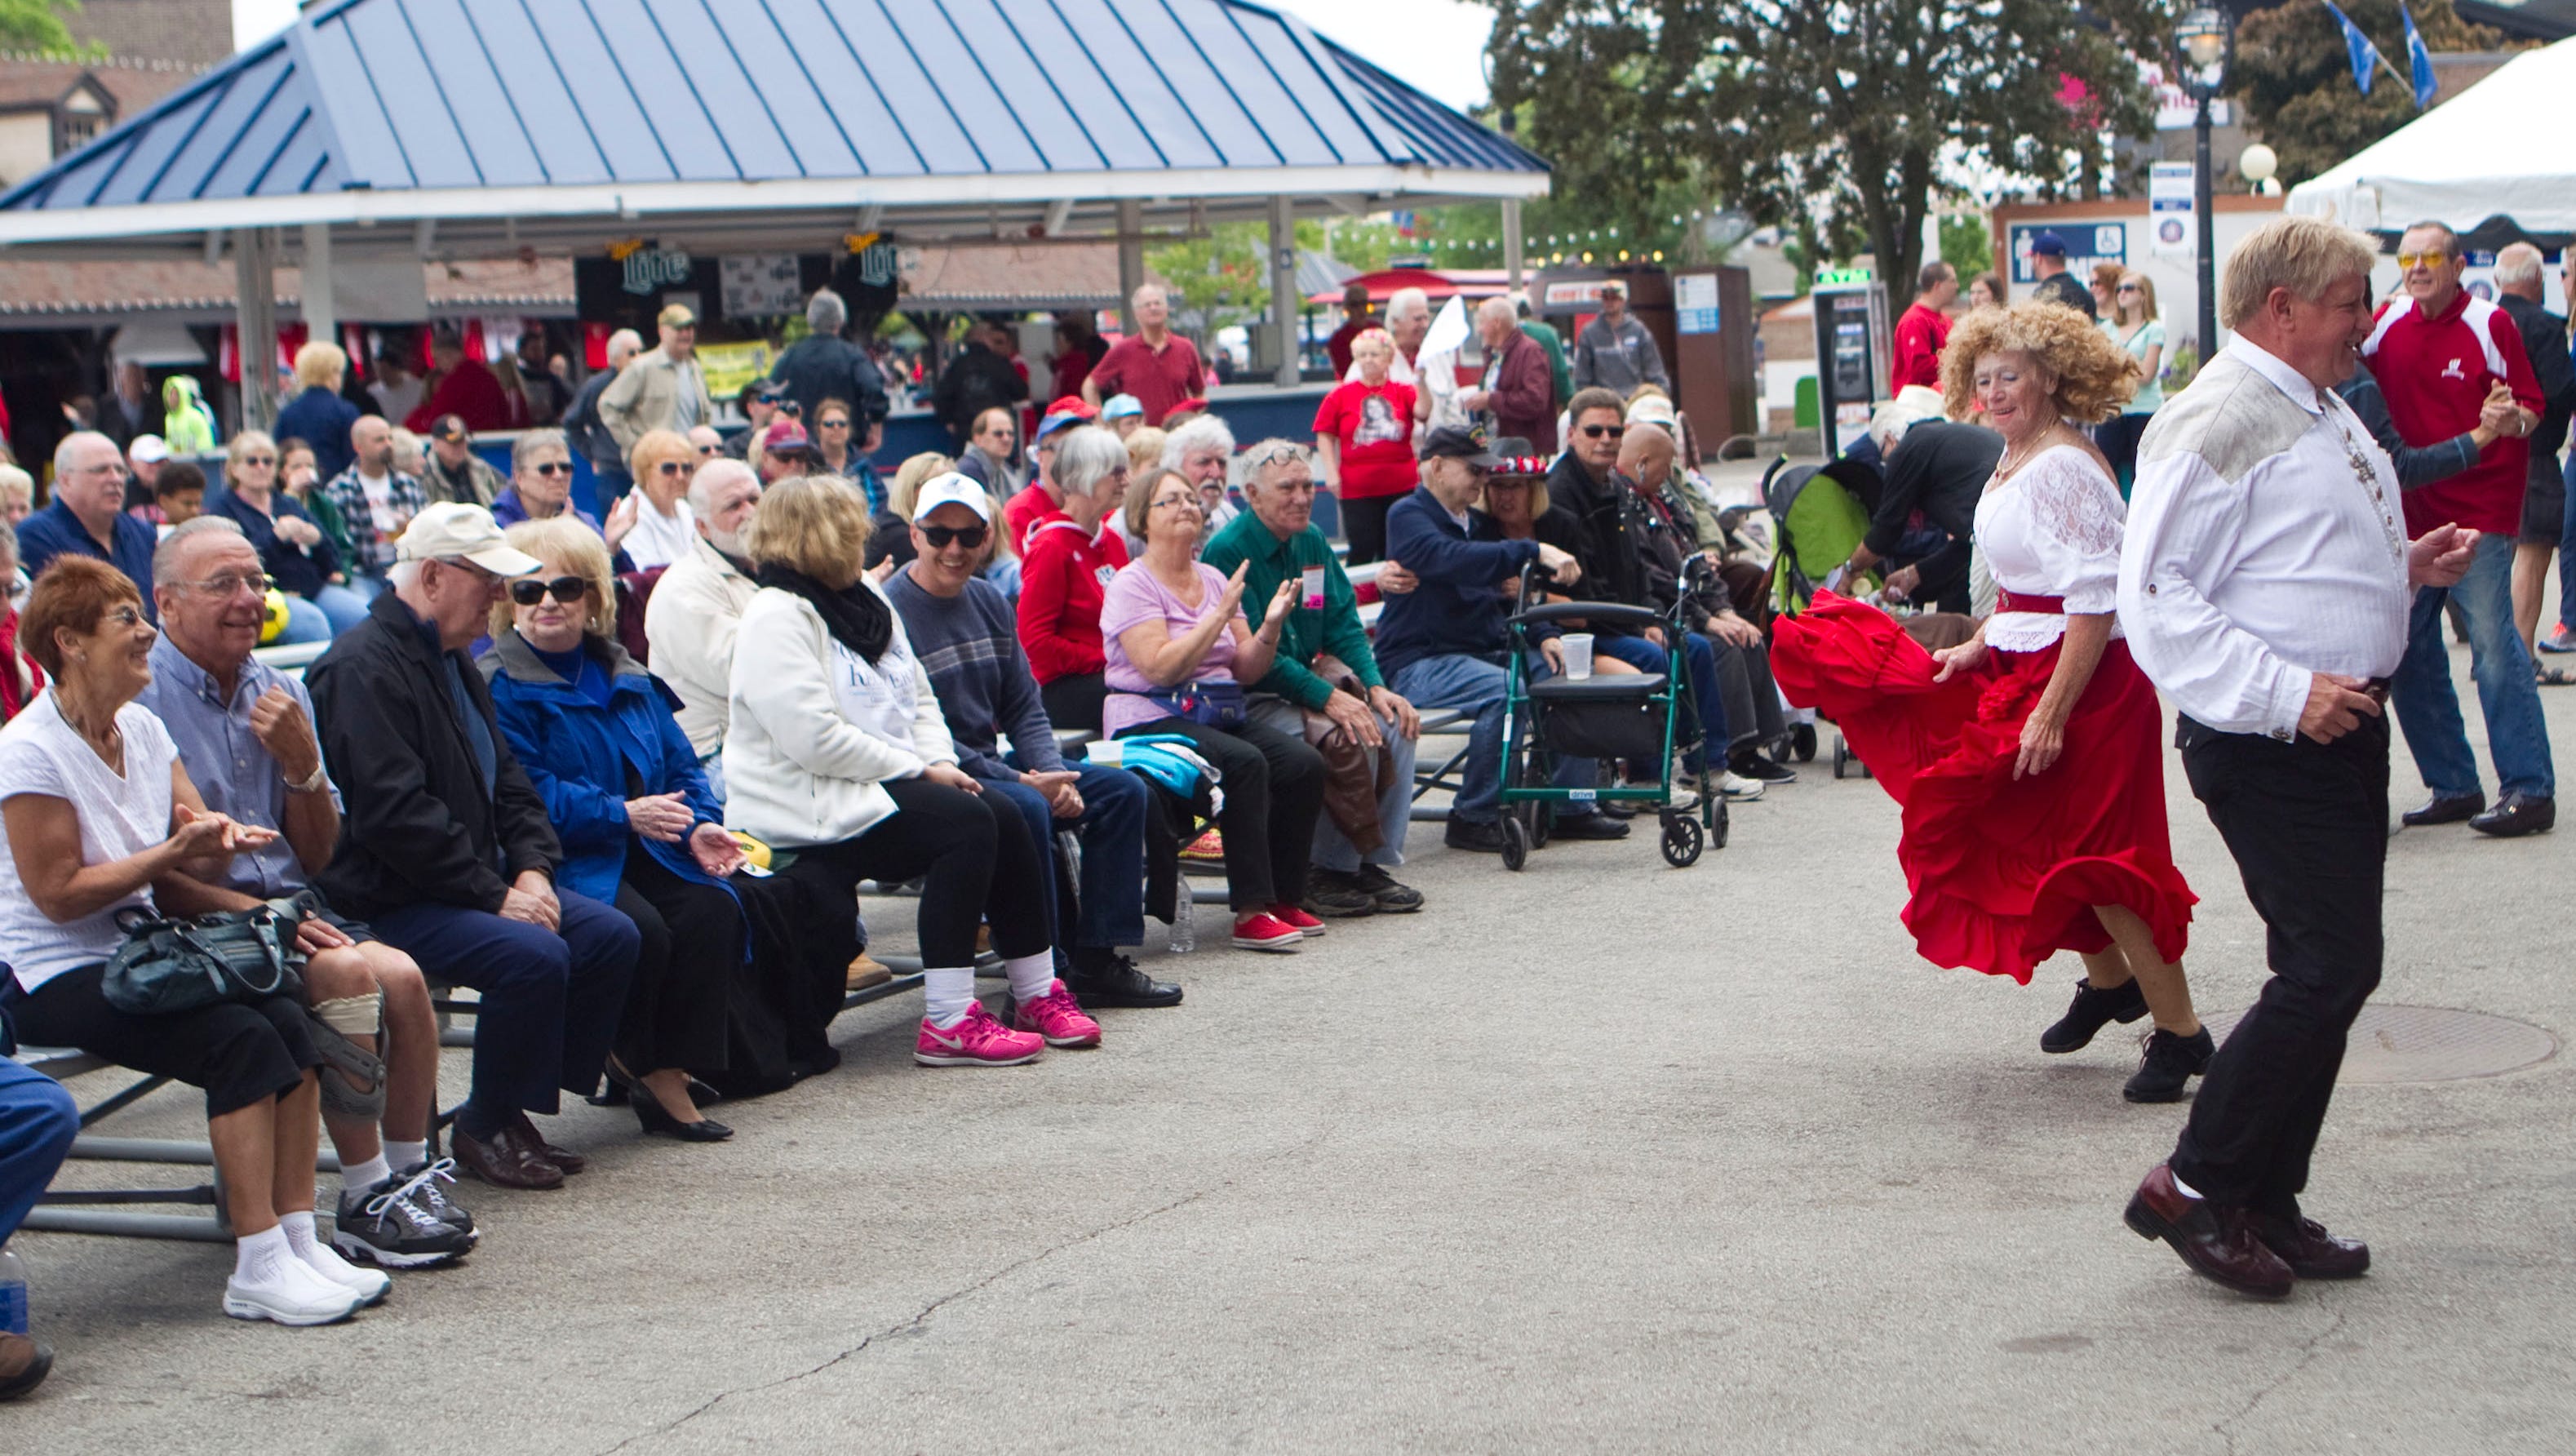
(1022, 511)
(1921, 334)
(1063, 575)
(1375, 425)
(2435, 373)
(1158, 380)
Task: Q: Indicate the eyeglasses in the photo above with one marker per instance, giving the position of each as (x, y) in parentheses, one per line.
(228, 583)
(2128, 288)
(970, 537)
(836, 424)
(667, 467)
(2428, 260)
(706, 450)
(1595, 432)
(552, 467)
(527, 591)
(259, 460)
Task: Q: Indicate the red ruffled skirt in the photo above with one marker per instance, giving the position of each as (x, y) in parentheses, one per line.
(2001, 874)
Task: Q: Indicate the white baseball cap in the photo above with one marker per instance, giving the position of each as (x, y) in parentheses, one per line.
(148, 448)
(952, 489)
(453, 529)
(1651, 409)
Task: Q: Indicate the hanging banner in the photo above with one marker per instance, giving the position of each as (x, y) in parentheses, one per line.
(2171, 229)
(729, 367)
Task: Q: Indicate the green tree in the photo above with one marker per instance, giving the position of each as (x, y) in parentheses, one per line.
(36, 25)
(2293, 76)
(1836, 112)
(1966, 245)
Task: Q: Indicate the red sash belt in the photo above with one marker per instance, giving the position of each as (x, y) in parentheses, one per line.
(2014, 602)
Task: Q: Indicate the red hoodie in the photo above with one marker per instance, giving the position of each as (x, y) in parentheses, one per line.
(1063, 575)
(2435, 373)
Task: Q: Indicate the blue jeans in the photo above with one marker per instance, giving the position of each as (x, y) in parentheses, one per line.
(1708, 690)
(551, 1001)
(2428, 708)
(1473, 685)
(1112, 831)
(2567, 552)
(37, 1124)
(345, 608)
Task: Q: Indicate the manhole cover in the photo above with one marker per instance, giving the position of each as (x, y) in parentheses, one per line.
(2432, 1044)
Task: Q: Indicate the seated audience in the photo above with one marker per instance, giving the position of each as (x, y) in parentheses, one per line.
(963, 630)
(178, 494)
(100, 815)
(541, 489)
(291, 545)
(1067, 559)
(838, 450)
(1042, 494)
(890, 528)
(1124, 414)
(87, 517)
(661, 530)
(17, 496)
(375, 499)
(1202, 450)
(302, 482)
(837, 751)
(991, 452)
(20, 678)
(38, 1121)
(1324, 670)
(1179, 650)
(245, 734)
(638, 825)
(696, 609)
(447, 854)
(707, 441)
(318, 415)
(784, 450)
(453, 471)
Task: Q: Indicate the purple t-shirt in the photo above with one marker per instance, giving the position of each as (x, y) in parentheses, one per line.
(1136, 595)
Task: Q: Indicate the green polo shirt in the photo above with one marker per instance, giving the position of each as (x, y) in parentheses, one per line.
(1336, 629)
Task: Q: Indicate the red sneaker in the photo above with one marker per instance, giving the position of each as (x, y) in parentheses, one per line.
(1261, 931)
(1296, 920)
(977, 1040)
(1057, 1017)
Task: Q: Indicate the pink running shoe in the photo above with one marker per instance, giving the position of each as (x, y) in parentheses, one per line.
(1059, 1018)
(977, 1040)
(1296, 920)
(1262, 931)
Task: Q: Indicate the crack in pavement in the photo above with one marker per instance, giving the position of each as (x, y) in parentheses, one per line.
(917, 1320)
(2309, 1349)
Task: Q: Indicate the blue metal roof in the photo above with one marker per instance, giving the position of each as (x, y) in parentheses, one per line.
(903, 98)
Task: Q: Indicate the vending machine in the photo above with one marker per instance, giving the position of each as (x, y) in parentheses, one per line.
(1851, 355)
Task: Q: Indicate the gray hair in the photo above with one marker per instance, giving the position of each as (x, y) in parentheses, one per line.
(1254, 463)
(625, 341)
(165, 557)
(825, 313)
(1085, 457)
(402, 574)
(1207, 432)
(67, 453)
(1498, 308)
(713, 476)
(1138, 297)
(1405, 300)
(524, 448)
(2517, 265)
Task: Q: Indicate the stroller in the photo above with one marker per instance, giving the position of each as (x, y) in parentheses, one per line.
(1631, 716)
(1822, 512)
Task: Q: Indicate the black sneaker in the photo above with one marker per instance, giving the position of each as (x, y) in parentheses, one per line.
(1332, 895)
(2091, 1011)
(1466, 834)
(1106, 978)
(1392, 898)
(1762, 768)
(384, 1225)
(2168, 1064)
(432, 1197)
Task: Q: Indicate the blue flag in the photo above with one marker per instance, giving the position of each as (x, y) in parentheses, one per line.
(2365, 56)
(2419, 59)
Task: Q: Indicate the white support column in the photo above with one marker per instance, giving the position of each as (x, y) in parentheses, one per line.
(255, 313)
(1512, 244)
(1283, 292)
(320, 303)
(1131, 261)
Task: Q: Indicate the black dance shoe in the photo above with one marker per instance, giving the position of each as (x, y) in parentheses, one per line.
(2168, 1065)
(2091, 1011)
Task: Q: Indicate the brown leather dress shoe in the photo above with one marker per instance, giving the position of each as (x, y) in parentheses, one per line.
(510, 1160)
(2309, 1250)
(2217, 1242)
(566, 1159)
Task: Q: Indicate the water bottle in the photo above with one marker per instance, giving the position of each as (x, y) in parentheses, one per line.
(13, 1292)
(1185, 935)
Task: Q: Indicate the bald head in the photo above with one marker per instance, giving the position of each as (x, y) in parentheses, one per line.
(1646, 457)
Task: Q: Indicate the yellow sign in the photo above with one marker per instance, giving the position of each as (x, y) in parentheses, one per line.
(729, 367)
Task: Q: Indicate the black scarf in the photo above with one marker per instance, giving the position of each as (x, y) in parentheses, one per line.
(858, 618)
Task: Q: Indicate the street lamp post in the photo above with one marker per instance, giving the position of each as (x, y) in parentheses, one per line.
(2202, 41)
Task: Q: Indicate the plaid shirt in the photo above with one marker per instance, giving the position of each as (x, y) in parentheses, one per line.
(375, 550)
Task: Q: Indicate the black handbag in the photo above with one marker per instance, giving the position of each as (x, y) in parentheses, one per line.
(169, 966)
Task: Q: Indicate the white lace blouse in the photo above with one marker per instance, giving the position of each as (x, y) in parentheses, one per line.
(2052, 530)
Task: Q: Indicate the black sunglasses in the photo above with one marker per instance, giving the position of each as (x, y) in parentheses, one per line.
(1597, 431)
(552, 467)
(527, 591)
(970, 537)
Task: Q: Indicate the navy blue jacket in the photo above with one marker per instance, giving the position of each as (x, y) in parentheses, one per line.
(297, 573)
(54, 530)
(1460, 606)
(582, 759)
(320, 419)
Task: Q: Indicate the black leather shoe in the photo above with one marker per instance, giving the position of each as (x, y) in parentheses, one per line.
(2218, 1243)
(2090, 1012)
(2311, 1252)
(1590, 826)
(23, 1364)
(2168, 1065)
(2451, 810)
(2515, 815)
(1106, 978)
(1477, 838)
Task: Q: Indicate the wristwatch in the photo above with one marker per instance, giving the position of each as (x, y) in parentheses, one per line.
(320, 780)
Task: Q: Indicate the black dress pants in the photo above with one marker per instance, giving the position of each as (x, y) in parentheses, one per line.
(1364, 526)
(975, 862)
(693, 945)
(2308, 824)
(1274, 791)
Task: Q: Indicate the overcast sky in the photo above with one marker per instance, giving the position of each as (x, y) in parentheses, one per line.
(1438, 45)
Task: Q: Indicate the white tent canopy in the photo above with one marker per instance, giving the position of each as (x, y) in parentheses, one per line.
(2496, 151)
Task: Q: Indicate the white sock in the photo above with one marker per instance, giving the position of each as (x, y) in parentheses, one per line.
(299, 1233)
(357, 1178)
(2185, 1189)
(405, 1156)
(257, 1257)
(947, 993)
(1032, 976)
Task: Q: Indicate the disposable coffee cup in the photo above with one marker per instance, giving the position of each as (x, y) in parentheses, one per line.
(1108, 753)
(1578, 655)
(1312, 595)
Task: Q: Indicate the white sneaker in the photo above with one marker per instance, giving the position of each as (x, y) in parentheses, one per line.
(290, 1293)
(370, 1285)
(1741, 789)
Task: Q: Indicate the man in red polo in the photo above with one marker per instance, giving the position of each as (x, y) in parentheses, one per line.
(1154, 364)
(1923, 330)
(2436, 351)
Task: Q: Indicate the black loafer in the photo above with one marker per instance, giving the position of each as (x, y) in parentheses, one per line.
(2091, 1011)
(1476, 838)
(1114, 980)
(2451, 810)
(1590, 826)
(2515, 815)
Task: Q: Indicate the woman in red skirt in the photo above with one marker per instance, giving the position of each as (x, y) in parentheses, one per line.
(2029, 760)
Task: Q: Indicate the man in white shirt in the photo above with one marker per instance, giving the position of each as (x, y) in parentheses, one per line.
(2265, 584)
(696, 609)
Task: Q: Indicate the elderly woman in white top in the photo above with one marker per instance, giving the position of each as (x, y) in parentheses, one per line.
(838, 751)
(663, 462)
